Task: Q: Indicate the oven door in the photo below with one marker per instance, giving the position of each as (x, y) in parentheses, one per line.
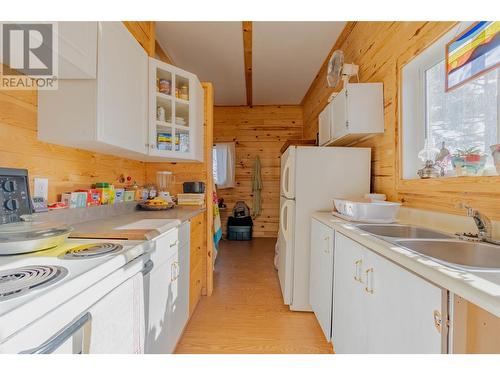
(81, 325)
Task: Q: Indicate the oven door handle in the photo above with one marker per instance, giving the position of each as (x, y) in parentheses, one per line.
(52, 344)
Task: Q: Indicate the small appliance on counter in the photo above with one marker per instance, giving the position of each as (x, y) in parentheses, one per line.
(17, 236)
(193, 187)
(164, 180)
(14, 195)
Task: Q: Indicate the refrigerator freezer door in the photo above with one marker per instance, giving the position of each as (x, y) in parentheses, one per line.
(321, 174)
(288, 173)
(286, 242)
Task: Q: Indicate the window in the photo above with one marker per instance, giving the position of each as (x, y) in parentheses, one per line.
(223, 155)
(465, 119)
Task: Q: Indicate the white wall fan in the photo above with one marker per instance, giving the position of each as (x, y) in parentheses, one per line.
(337, 70)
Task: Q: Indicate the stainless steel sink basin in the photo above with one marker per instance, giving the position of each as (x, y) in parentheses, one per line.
(471, 255)
(402, 231)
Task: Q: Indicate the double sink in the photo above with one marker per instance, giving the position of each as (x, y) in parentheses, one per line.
(441, 247)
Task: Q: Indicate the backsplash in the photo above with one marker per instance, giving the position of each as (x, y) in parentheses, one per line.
(443, 221)
(66, 168)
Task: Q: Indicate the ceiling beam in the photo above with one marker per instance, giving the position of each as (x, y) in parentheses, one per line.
(247, 54)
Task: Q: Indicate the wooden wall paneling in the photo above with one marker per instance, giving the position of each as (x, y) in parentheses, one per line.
(144, 32)
(195, 171)
(197, 235)
(66, 168)
(247, 55)
(381, 49)
(209, 188)
(258, 130)
(475, 330)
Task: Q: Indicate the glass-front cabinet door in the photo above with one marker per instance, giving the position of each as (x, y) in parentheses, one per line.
(176, 114)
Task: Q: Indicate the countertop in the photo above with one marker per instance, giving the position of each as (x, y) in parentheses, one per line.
(107, 227)
(480, 288)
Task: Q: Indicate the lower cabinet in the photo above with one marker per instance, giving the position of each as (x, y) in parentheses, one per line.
(379, 307)
(181, 314)
(162, 289)
(167, 288)
(321, 275)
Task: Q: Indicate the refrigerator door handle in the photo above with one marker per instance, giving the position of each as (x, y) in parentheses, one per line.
(282, 220)
(285, 178)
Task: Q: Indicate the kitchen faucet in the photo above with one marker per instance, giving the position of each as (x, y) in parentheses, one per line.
(483, 224)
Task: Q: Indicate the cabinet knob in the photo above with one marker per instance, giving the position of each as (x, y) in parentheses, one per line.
(11, 204)
(9, 186)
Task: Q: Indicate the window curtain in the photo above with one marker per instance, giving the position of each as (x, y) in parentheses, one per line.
(225, 159)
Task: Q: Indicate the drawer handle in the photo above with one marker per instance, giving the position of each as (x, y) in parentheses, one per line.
(173, 244)
(327, 247)
(369, 281)
(357, 270)
(178, 270)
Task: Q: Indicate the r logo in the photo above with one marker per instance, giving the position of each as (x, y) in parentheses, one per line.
(28, 48)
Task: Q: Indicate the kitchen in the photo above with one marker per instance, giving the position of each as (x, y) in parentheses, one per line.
(157, 130)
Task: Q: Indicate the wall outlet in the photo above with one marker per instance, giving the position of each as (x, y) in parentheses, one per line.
(41, 188)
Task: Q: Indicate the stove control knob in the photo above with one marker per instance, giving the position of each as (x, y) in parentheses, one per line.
(9, 186)
(11, 204)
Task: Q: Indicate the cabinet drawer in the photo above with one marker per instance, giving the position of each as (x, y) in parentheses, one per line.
(165, 245)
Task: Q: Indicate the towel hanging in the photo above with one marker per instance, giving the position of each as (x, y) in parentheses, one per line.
(256, 188)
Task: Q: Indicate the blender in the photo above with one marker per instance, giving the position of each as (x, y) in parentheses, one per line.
(164, 180)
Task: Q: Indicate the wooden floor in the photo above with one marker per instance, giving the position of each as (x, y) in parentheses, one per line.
(246, 314)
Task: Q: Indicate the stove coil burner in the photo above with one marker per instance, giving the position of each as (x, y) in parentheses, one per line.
(92, 250)
(19, 281)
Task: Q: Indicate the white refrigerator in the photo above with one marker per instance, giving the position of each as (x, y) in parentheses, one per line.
(310, 178)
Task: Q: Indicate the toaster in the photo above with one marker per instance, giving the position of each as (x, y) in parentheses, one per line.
(196, 187)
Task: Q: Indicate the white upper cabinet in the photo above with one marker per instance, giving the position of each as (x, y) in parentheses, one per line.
(176, 113)
(122, 84)
(77, 50)
(108, 113)
(355, 112)
(324, 125)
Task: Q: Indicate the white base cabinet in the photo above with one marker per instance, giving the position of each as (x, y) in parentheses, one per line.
(321, 275)
(167, 290)
(357, 111)
(380, 307)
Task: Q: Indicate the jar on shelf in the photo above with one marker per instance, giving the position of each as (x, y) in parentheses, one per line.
(164, 86)
(184, 92)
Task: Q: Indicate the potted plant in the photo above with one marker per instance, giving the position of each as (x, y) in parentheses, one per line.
(468, 162)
